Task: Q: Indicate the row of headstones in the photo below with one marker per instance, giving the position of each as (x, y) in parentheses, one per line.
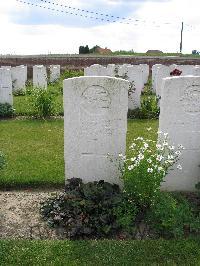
(95, 123)
(13, 79)
(137, 75)
(160, 71)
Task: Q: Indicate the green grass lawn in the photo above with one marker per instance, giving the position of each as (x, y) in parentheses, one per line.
(112, 253)
(34, 150)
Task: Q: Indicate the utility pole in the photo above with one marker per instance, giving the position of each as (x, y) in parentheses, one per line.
(181, 43)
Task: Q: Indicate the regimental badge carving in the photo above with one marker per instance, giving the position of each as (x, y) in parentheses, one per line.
(191, 99)
(95, 100)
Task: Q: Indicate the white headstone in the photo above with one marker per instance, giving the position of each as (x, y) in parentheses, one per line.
(95, 70)
(95, 123)
(39, 76)
(162, 72)
(6, 67)
(18, 74)
(172, 67)
(112, 70)
(186, 69)
(154, 72)
(180, 118)
(145, 72)
(135, 77)
(6, 86)
(196, 70)
(25, 72)
(122, 71)
(54, 73)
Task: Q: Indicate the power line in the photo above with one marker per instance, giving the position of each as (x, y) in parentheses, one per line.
(107, 19)
(68, 12)
(101, 14)
(89, 12)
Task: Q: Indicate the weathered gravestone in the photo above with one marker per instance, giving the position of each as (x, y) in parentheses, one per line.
(95, 123)
(112, 70)
(186, 69)
(180, 118)
(95, 70)
(172, 67)
(154, 72)
(54, 73)
(145, 72)
(19, 77)
(39, 76)
(134, 74)
(162, 72)
(6, 86)
(196, 70)
(6, 67)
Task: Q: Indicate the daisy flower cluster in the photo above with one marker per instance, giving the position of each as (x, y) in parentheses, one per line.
(144, 171)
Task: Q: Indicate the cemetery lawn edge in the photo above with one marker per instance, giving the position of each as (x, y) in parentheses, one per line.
(105, 252)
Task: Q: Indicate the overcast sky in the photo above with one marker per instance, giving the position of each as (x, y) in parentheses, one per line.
(153, 24)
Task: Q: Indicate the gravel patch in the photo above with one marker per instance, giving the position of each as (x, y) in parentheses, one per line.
(20, 217)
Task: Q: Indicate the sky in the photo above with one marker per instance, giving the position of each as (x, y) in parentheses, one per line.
(61, 26)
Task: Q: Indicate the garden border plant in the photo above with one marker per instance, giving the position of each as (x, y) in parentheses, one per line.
(99, 209)
(6, 110)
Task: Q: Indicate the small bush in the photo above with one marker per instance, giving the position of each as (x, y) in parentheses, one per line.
(42, 102)
(148, 88)
(84, 210)
(172, 218)
(149, 109)
(144, 169)
(6, 110)
(19, 92)
(126, 213)
(71, 74)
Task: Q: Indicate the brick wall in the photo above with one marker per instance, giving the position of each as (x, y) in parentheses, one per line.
(80, 62)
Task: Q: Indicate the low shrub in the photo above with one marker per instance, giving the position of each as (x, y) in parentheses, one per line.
(42, 102)
(21, 92)
(172, 218)
(6, 110)
(149, 109)
(145, 168)
(126, 213)
(99, 209)
(148, 88)
(71, 74)
(84, 210)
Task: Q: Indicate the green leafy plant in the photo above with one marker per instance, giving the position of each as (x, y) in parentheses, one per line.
(147, 91)
(21, 92)
(71, 74)
(84, 209)
(42, 102)
(6, 110)
(172, 218)
(126, 213)
(149, 109)
(144, 170)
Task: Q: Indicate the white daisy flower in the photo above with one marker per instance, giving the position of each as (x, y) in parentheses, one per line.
(133, 159)
(130, 167)
(150, 170)
(140, 157)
